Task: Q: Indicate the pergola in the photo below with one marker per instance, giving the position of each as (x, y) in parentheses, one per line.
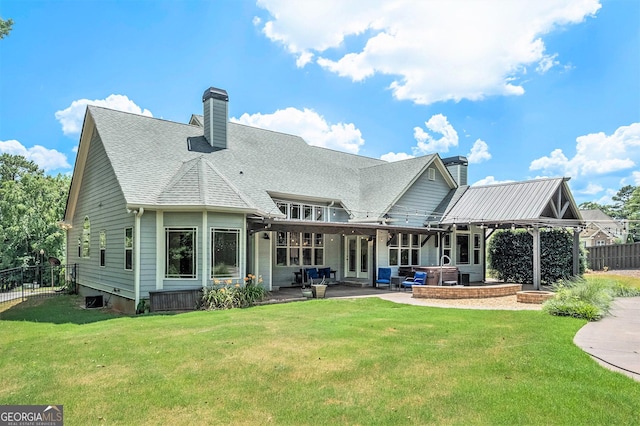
(532, 205)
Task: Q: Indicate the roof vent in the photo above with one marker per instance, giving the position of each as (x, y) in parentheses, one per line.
(216, 112)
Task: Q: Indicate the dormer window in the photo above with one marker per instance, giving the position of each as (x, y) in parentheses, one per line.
(300, 211)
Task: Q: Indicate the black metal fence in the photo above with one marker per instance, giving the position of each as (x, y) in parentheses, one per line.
(37, 281)
(618, 256)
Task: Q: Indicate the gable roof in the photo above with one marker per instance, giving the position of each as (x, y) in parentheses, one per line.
(382, 185)
(534, 202)
(160, 163)
(599, 221)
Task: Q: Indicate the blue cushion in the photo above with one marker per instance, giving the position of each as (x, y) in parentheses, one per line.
(324, 272)
(312, 273)
(383, 281)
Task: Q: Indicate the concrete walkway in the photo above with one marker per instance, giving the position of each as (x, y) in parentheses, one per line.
(614, 341)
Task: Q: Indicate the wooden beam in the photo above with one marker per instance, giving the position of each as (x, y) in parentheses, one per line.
(554, 209)
(536, 258)
(576, 252)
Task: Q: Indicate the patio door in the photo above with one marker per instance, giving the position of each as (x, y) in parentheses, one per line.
(357, 255)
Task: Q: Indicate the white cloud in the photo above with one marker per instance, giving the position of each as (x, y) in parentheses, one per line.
(392, 156)
(490, 180)
(608, 197)
(435, 50)
(46, 159)
(309, 125)
(636, 178)
(591, 189)
(72, 117)
(479, 152)
(596, 154)
(428, 144)
(546, 63)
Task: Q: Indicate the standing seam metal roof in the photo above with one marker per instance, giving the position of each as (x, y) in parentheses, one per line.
(517, 201)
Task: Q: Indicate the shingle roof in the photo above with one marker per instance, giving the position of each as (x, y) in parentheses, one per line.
(154, 166)
(517, 202)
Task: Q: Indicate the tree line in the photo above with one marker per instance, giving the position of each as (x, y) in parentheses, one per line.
(31, 206)
(625, 206)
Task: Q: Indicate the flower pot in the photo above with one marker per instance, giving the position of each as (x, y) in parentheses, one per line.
(307, 292)
(319, 290)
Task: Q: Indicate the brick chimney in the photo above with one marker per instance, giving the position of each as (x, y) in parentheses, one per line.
(216, 112)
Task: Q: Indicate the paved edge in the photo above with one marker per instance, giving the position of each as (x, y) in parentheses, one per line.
(614, 341)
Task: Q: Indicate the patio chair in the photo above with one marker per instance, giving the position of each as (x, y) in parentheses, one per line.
(324, 273)
(384, 277)
(418, 279)
(311, 274)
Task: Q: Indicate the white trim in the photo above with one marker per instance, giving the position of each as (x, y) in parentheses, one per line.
(205, 264)
(239, 251)
(136, 257)
(124, 245)
(159, 251)
(195, 258)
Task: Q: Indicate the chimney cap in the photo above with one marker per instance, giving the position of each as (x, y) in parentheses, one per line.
(215, 93)
(458, 159)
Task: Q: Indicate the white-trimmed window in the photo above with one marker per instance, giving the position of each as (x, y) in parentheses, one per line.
(462, 249)
(306, 212)
(103, 248)
(128, 249)
(404, 250)
(446, 246)
(181, 253)
(299, 248)
(225, 253)
(86, 237)
(477, 247)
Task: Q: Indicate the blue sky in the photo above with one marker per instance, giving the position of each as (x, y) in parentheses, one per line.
(523, 89)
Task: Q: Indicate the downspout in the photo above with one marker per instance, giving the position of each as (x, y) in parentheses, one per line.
(136, 248)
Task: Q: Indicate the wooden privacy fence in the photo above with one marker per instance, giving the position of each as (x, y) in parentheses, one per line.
(618, 256)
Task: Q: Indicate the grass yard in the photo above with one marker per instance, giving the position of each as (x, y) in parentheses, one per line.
(360, 361)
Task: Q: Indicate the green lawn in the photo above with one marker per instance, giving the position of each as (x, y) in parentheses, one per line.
(361, 361)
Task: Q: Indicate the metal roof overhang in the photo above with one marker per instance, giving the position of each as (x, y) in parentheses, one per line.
(259, 225)
(540, 222)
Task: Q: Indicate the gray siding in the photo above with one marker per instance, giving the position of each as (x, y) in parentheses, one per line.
(265, 261)
(147, 253)
(214, 220)
(215, 122)
(420, 200)
(184, 220)
(102, 201)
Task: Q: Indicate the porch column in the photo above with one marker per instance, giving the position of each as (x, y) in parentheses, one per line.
(205, 258)
(576, 252)
(536, 257)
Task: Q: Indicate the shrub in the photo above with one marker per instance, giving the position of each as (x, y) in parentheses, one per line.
(580, 298)
(227, 294)
(510, 255)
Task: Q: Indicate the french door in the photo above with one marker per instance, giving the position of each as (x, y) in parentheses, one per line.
(357, 255)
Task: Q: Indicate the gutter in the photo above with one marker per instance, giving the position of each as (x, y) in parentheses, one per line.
(136, 249)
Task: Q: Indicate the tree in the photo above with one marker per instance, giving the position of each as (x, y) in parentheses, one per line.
(5, 27)
(31, 205)
(633, 209)
(626, 207)
(13, 167)
(590, 205)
